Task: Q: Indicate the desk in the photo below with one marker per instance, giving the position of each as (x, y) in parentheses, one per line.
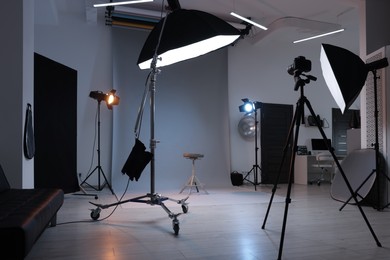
(303, 170)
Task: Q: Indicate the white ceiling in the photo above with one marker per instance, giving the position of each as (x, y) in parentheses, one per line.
(303, 18)
(265, 11)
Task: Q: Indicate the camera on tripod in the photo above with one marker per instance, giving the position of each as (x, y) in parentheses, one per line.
(301, 64)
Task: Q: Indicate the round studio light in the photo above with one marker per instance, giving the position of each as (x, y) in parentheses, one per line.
(248, 107)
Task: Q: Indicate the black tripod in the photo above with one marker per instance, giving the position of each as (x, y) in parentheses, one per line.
(378, 158)
(255, 169)
(297, 119)
(98, 168)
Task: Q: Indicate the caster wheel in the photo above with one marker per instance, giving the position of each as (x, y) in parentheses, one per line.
(176, 228)
(95, 215)
(184, 208)
(96, 197)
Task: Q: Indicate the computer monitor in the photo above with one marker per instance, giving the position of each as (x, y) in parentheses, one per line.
(320, 144)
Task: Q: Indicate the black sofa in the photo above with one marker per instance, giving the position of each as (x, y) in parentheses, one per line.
(24, 215)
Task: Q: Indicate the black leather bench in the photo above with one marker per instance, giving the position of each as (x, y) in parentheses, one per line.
(24, 215)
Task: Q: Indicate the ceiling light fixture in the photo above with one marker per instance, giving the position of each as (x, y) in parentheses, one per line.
(248, 21)
(318, 36)
(122, 3)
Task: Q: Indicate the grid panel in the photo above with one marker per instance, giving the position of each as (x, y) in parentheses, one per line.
(370, 104)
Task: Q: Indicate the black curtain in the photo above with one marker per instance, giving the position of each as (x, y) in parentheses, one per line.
(55, 125)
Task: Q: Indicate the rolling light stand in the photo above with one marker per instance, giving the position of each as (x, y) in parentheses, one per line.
(256, 168)
(98, 168)
(152, 198)
(297, 119)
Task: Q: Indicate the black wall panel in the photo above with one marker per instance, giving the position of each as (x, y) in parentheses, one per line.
(55, 125)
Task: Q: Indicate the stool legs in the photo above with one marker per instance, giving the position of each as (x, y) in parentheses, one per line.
(193, 181)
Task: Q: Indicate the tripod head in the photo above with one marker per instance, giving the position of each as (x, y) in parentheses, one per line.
(301, 82)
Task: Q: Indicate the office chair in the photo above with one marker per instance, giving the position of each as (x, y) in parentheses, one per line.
(325, 162)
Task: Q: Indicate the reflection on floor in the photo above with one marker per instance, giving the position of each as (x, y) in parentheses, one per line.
(225, 224)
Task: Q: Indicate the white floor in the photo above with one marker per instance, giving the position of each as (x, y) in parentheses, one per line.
(225, 224)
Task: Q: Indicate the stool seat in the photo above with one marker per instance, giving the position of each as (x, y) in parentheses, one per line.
(193, 181)
(193, 156)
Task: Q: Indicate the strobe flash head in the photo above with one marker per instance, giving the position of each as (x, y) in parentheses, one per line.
(110, 98)
(249, 106)
(301, 64)
(98, 95)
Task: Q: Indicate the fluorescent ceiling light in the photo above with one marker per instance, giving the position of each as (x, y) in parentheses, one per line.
(248, 21)
(122, 3)
(318, 36)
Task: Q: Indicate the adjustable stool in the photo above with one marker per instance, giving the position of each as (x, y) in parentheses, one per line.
(193, 181)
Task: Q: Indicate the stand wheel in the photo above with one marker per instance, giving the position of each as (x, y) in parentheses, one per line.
(95, 214)
(184, 208)
(176, 229)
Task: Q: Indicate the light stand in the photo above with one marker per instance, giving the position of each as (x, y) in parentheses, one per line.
(345, 74)
(98, 168)
(150, 198)
(378, 157)
(298, 116)
(253, 107)
(181, 35)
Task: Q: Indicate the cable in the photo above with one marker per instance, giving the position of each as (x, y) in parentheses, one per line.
(109, 215)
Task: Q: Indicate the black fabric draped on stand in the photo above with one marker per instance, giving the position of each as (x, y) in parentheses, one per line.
(137, 160)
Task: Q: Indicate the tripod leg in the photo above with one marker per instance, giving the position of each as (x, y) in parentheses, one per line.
(84, 193)
(357, 190)
(290, 178)
(105, 179)
(342, 173)
(89, 175)
(246, 176)
(285, 150)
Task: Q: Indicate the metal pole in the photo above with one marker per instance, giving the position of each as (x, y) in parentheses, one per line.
(152, 138)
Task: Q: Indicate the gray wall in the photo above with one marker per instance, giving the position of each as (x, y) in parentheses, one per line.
(259, 72)
(63, 33)
(16, 73)
(377, 24)
(191, 116)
